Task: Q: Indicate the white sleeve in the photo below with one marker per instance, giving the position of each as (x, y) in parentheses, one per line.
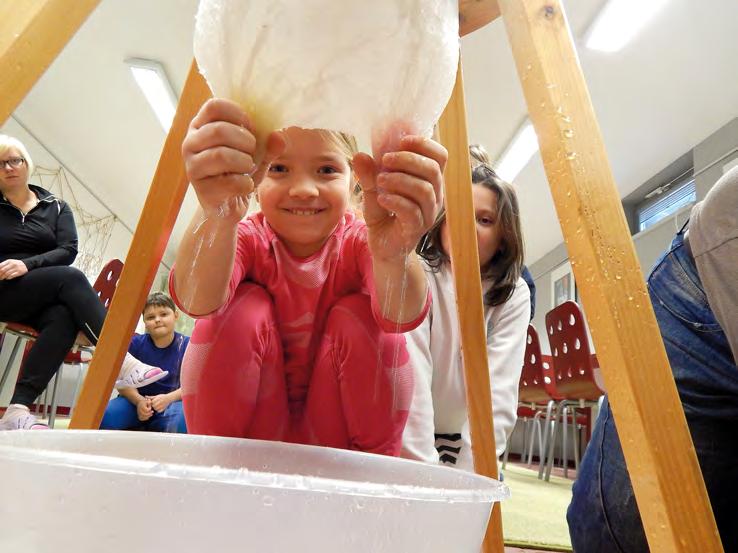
(505, 350)
(418, 438)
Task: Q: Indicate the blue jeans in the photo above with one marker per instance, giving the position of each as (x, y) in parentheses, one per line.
(603, 516)
(120, 414)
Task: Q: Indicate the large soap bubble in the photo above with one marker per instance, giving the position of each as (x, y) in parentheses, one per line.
(376, 69)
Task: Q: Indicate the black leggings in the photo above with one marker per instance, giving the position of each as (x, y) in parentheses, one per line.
(57, 302)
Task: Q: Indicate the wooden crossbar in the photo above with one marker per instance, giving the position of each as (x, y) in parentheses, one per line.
(32, 33)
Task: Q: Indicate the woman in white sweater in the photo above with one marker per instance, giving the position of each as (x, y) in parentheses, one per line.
(437, 428)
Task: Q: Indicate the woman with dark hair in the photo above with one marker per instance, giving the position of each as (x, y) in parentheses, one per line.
(437, 428)
(38, 242)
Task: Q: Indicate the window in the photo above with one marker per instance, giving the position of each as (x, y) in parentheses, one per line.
(667, 203)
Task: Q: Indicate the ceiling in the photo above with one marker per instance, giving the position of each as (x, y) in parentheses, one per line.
(669, 89)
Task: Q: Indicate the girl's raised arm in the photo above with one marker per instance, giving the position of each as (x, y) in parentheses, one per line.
(218, 152)
(400, 204)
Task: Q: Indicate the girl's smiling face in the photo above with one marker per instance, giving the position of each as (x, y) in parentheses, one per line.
(305, 193)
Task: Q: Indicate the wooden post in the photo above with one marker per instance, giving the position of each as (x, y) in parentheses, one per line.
(658, 449)
(32, 33)
(467, 280)
(149, 241)
(475, 14)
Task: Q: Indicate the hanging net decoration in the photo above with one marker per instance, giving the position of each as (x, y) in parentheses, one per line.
(377, 70)
(93, 231)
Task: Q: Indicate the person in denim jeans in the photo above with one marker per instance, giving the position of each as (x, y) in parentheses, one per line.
(694, 292)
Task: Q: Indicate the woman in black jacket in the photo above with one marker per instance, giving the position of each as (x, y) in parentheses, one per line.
(38, 242)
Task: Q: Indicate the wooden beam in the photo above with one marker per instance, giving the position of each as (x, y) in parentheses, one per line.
(460, 219)
(32, 33)
(149, 241)
(658, 449)
(475, 14)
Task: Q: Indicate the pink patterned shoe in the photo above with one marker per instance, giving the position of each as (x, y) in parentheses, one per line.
(135, 374)
(18, 417)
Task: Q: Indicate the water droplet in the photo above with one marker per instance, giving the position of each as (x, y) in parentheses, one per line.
(268, 501)
(568, 133)
(571, 155)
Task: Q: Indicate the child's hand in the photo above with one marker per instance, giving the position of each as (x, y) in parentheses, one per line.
(144, 410)
(218, 153)
(160, 403)
(401, 202)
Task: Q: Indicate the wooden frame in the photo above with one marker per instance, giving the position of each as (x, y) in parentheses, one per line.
(663, 465)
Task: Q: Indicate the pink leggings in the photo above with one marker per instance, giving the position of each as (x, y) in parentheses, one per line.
(359, 393)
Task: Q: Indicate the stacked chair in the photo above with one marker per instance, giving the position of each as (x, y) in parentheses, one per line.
(574, 379)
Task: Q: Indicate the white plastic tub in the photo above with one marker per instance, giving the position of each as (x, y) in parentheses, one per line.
(80, 491)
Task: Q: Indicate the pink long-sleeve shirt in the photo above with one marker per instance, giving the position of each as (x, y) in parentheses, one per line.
(305, 289)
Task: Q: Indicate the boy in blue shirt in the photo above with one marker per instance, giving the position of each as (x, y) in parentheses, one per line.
(155, 407)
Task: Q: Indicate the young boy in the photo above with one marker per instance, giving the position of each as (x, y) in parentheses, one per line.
(156, 407)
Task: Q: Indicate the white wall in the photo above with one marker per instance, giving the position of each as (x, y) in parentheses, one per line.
(710, 156)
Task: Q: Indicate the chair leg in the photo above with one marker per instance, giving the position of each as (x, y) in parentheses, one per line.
(52, 410)
(575, 437)
(526, 437)
(77, 385)
(11, 360)
(564, 441)
(552, 443)
(536, 432)
(507, 449)
(548, 428)
(41, 402)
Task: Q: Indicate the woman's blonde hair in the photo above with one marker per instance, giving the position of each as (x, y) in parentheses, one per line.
(506, 265)
(7, 142)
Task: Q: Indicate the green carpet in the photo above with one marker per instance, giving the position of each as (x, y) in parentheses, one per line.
(535, 515)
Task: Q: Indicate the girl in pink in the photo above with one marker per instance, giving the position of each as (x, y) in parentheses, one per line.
(302, 306)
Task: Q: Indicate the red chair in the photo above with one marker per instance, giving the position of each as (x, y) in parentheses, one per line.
(534, 395)
(105, 286)
(573, 374)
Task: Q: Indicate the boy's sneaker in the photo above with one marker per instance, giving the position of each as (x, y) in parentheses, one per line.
(19, 417)
(135, 374)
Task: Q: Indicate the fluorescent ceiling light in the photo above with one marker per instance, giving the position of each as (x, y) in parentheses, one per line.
(153, 82)
(518, 153)
(619, 21)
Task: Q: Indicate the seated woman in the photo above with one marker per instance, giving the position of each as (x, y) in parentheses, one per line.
(38, 241)
(155, 407)
(694, 293)
(437, 423)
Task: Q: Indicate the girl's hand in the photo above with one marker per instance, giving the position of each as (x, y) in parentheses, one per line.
(12, 268)
(144, 410)
(401, 201)
(218, 153)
